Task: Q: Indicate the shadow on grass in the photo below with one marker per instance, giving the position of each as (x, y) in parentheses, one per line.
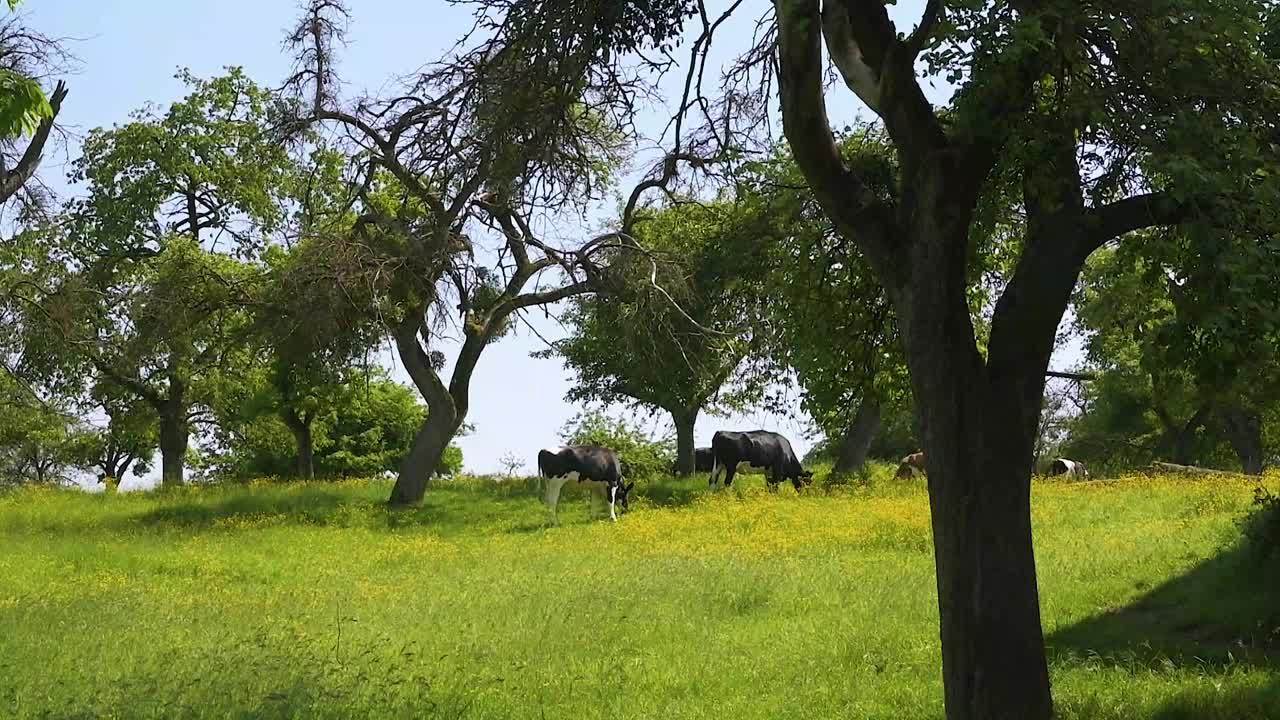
(311, 506)
(1238, 703)
(1223, 612)
(451, 507)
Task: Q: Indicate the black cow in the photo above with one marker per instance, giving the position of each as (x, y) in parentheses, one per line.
(757, 448)
(703, 460)
(599, 467)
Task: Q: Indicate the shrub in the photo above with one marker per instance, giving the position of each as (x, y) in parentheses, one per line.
(639, 451)
(1261, 528)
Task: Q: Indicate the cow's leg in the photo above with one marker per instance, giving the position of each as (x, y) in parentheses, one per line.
(716, 468)
(730, 470)
(613, 501)
(552, 496)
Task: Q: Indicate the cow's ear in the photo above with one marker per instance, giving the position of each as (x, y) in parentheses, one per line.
(629, 486)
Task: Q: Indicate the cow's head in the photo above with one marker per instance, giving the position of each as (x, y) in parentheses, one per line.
(622, 494)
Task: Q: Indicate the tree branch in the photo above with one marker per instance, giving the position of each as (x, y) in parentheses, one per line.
(1106, 223)
(933, 12)
(13, 180)
(851, 205)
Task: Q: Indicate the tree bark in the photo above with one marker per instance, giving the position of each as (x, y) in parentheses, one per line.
(1165, 467)
(424, 456)
(301, 428)
(173, 448)
(1244, 430)
(979, 422)
(1181, 438)
(857, 437)
(685, 420)
(446, 408)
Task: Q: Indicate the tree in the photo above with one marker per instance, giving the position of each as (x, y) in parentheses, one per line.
(39, 442)
(831, 321)
(311, 338)
(143, 303)
(209, 168)
(1187, 358)
(529, 115)
(154, 334)
(129, 439)
(1110, 120)
(363, 426)
(633, 346)
(27, 58)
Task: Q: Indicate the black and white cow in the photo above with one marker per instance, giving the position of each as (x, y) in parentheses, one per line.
(756, 448)
(597, 466)
(1073, 469)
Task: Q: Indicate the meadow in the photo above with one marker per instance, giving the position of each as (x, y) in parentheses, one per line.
(317, 601)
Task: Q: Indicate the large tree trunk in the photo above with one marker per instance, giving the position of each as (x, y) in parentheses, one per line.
(978, 419)
(1180, 438)
(685, 421)
(173, 448)
(424, 456)
(856, 442)
(1244, 431)
(446, 409)
(301, 429)
(978, 442)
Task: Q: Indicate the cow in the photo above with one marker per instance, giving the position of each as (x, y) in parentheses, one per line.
(1073, 469)
(599, 467)
(910, 464)
(758, 448)
(702, 461)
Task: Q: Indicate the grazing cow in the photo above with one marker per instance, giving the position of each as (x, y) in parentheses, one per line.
(1071, 468)
(758, 448)
(910, 464)
(597, 466)
(703, 459)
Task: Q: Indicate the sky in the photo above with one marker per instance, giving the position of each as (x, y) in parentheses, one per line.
(129, 52)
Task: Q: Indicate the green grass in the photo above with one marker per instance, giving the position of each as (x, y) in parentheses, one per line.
(315, 601)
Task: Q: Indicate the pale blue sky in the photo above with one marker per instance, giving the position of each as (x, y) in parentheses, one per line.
(131, 49)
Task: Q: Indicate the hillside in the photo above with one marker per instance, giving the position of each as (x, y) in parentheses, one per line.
(317, 601)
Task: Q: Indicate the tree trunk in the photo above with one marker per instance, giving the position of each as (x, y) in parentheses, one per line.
(978, 419)
(685, 422)
(857, 437)
(173, 449)
(424, 456)
(1244, 430)
(1165, 467)
(446, 406)
(1181, 438)
(978, 447)
(301, 429)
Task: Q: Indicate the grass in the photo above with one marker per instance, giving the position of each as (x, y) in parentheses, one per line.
(316, 601)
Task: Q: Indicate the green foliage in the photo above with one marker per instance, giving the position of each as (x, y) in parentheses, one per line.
(1261, 529)
(1173, 348)
(636, 345)
(39, 443)
(23, 104)
(361, 425)
(209, 164)
(644, 456)
(831, 321)
(278, 600)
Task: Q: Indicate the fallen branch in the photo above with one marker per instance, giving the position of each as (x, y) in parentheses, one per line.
(1165, 467)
